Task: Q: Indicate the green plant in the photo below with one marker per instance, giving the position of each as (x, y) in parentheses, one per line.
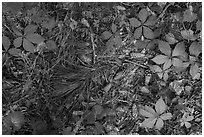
(185, 120)
(153, 116)
(170, 57)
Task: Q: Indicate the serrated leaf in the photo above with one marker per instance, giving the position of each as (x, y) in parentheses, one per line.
(18, 42)
(28, 46)
(51, 45)
(164, 47)
(166, 116)
(134, 22)
(146, 113)
(160, 59)
(114, 28)
(138, 33)
(30, 29)
(194, 70)
(160, 106)
(14, 52)
(179, 50)
(6, 42)
(35, 38)
(167, 64)
(195, 48)
(149, 122)
(188, 34)
(148, 33)
(106, 35)
(170, 38)
(159, 124)
(189, 16)
(143, 14)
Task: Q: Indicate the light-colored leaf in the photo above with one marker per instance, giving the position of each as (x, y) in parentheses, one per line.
(114, 28)
(165, 76)
(148, 33)
(50, 23)
(35, 38)
(189, 16)
(164, 47)
(30, 29)
(106, 35)
(160, 59)
(160, 106)
(149, 122)
(170, 38)
(149, 109)
(138, 33)
(166, 116)
(17, 118)
(18, 42)
(6, 42)
(146, 113)
(134, 22)
(194, 70)
(155, 68)
(199, 25)
(188, 34)
(144, 89)
(179, 50)
(187, 124)
(195, 48)
(143, 14)
(177, 62)
(28, 46)
(107, 87)
(189, 118)
(14, 52)
(167, 64)
(137, 55)
(159, 124)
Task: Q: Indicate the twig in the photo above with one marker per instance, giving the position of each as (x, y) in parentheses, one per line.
(143, 66)
(93, 47)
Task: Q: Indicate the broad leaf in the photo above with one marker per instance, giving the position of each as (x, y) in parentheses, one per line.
(17, 118)
(160, 106)
(106, 35)
(98, 109)
(199, 25)
(160, 59)
(51, 45)
(67, 131)
(18, 42)
(28, 46)
(118, 41)
(177, 62)
(194, 70)
(165, 76)
(149, 122)
(14, 52)
(113, 28)
(6, 42)
(167, 64)
(149, 109)
(159, 124)
(143, 14)
(179, 50)
(166, 116)
(170, 38)
(134, 22)
(145, 112)
(195, 48)
(151, 21)
(164, 47)
(51, 23)
(148, 33)
(187, 124)
(144, 89)
(189, 118)
(138, 33)
(155, 68)
(35, 38)
(188, 34)
(30, 29)
(189, 16)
